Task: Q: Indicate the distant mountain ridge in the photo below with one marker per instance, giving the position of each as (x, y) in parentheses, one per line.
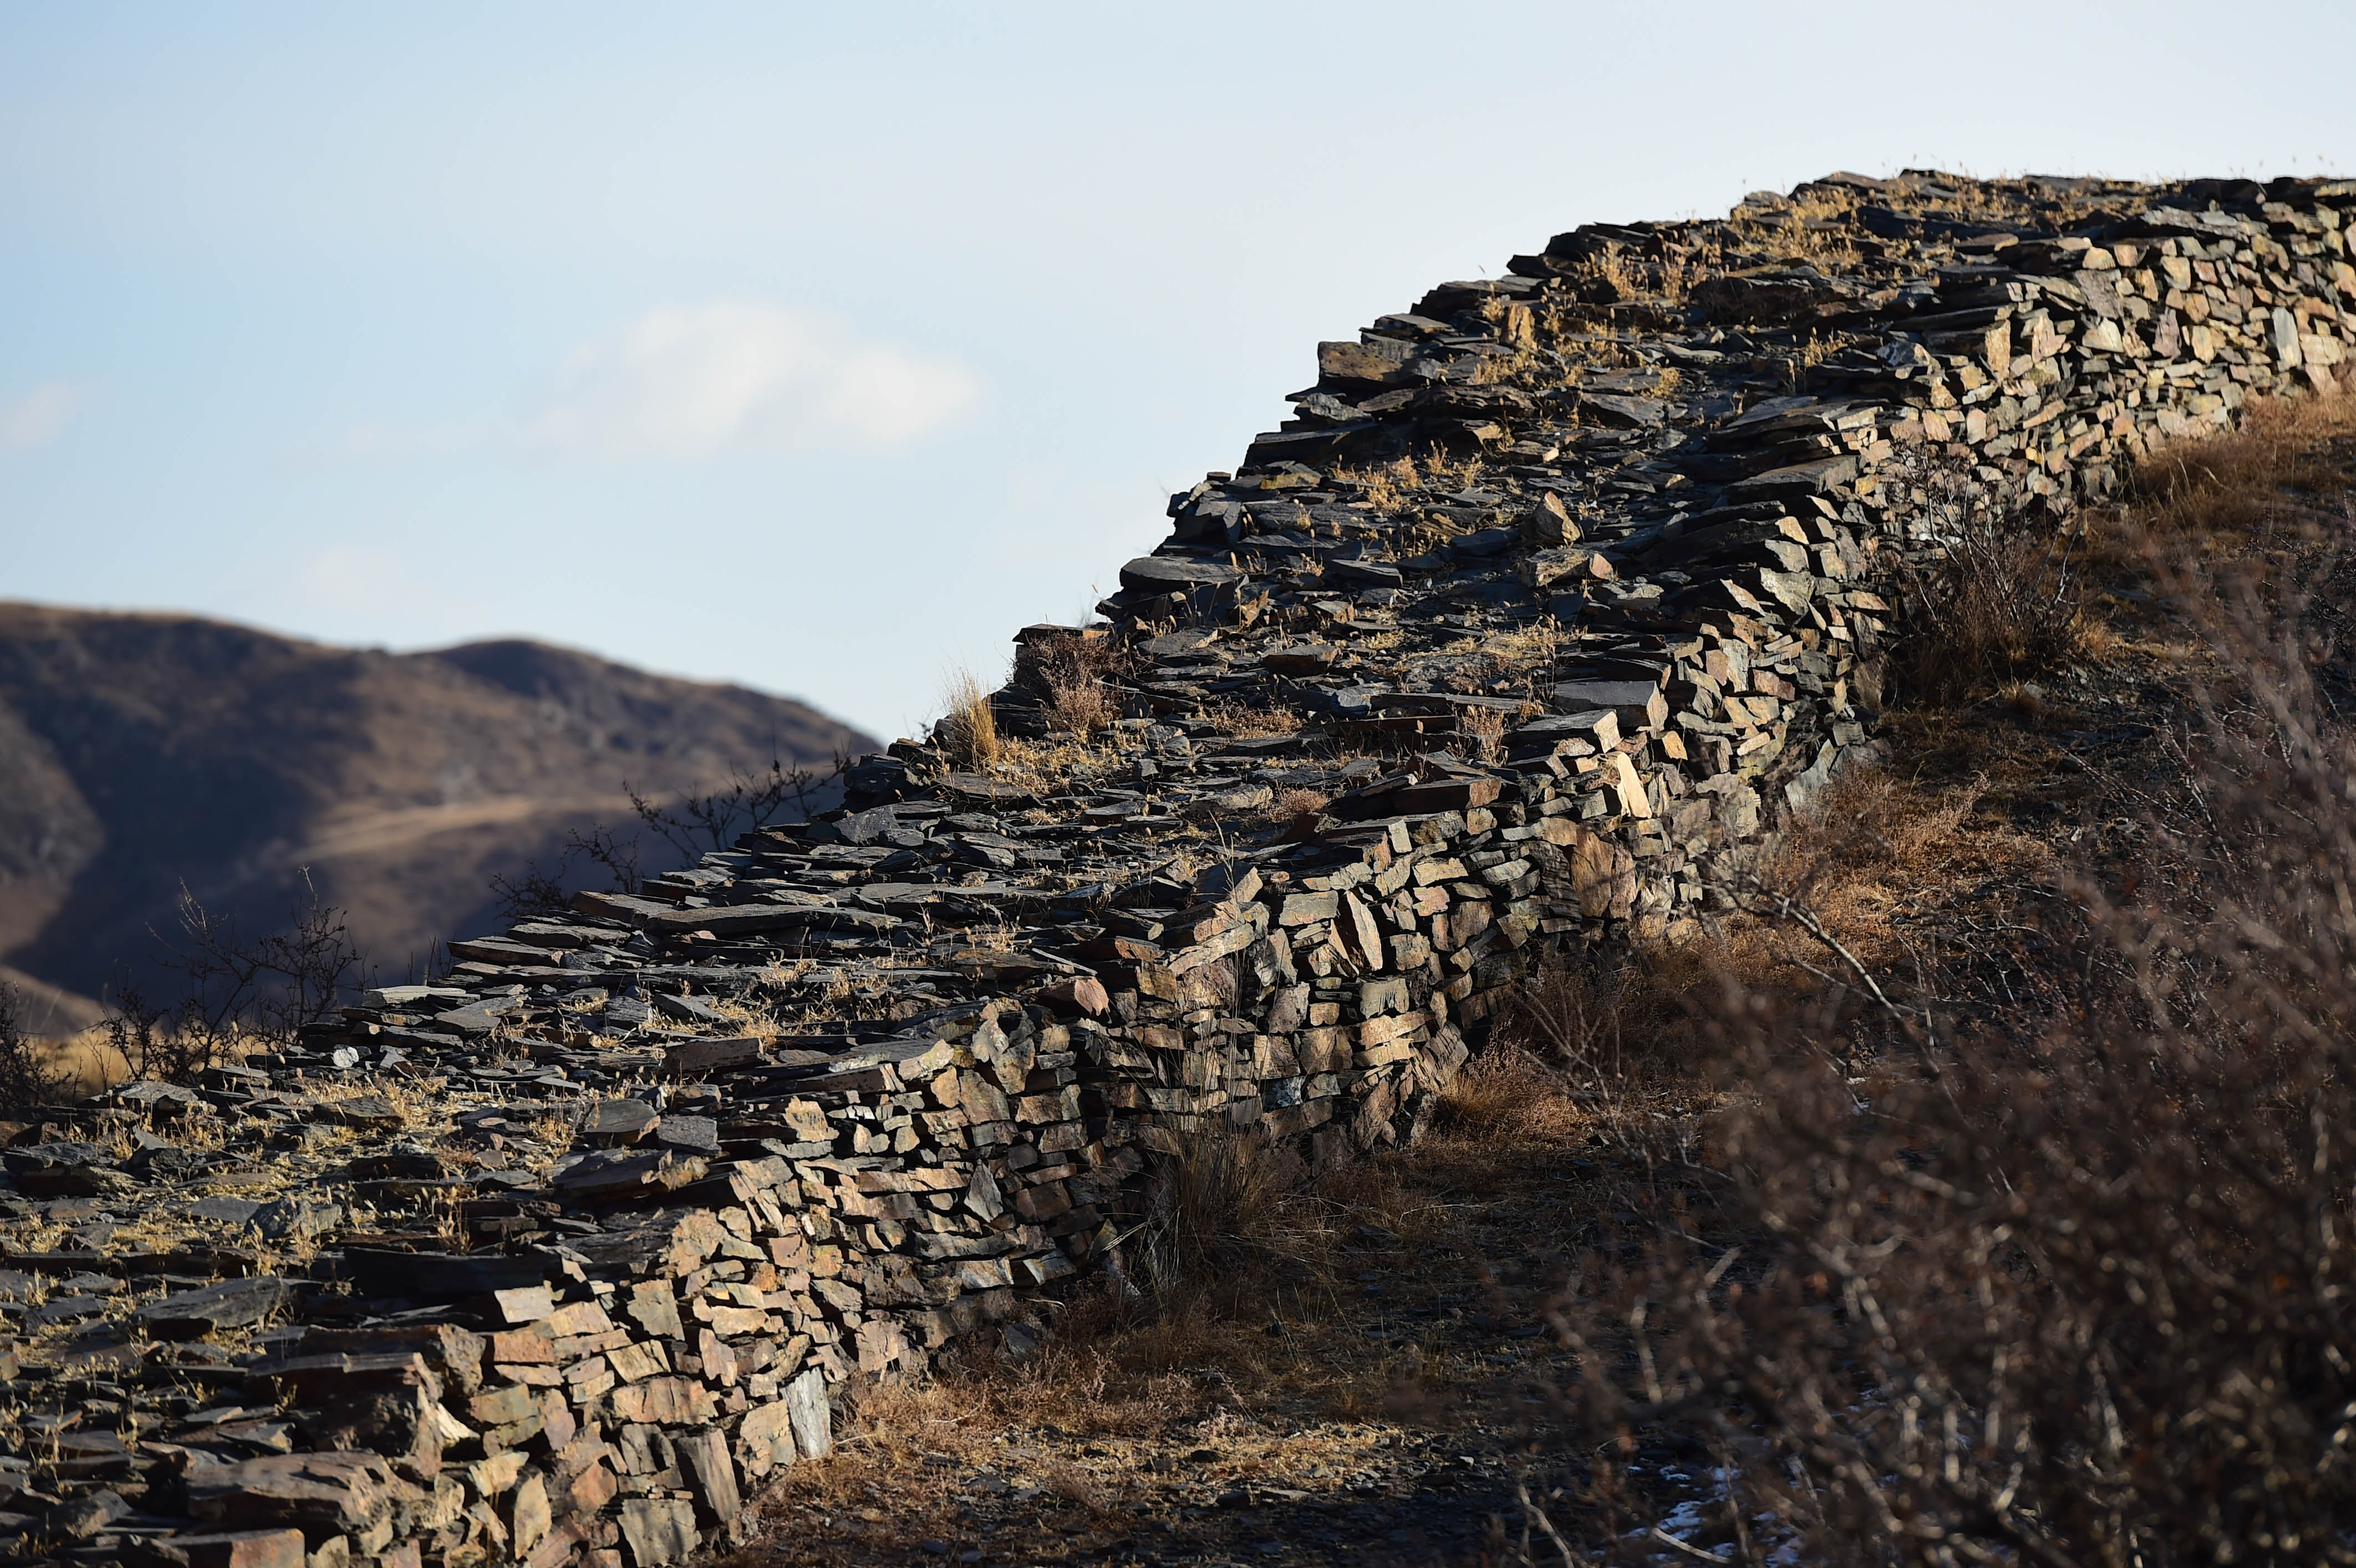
(142, 752)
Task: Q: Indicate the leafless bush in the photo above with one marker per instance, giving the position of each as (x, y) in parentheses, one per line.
(2001, 603)
(2064, 1286)
(231, 992)
(714, 819)
(691, 824)
(1080, 708)
(26, 1080)
(1216, 1209)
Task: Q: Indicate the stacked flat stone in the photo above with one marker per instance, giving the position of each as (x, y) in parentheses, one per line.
(643, 1187)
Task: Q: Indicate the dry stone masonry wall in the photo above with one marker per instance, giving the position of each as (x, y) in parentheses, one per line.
(1554, 593)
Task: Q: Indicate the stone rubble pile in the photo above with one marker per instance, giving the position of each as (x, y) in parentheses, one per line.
(1556, 592)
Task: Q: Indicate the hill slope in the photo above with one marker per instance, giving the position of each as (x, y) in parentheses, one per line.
(141, 751)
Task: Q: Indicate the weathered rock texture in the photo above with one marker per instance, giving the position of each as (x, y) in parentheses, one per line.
(557, 1261)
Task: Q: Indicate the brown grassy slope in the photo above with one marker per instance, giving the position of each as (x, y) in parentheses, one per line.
(1362, 1370)
(141, 751)
(2084, 1192)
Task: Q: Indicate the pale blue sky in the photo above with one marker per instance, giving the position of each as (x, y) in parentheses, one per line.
(819, 347)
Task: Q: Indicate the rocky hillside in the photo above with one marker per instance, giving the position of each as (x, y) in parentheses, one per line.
(139, 753)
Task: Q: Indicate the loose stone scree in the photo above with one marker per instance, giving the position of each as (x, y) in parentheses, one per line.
(1557, 593)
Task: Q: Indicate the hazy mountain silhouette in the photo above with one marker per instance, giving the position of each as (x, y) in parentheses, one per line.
(142, 752)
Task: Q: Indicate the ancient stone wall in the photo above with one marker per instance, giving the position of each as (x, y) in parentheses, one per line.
(1559, 591)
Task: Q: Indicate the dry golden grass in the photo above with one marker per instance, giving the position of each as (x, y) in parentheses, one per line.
(1385, 488)
(1874, 849)
(1052, 765)
(967, 731)
(1241, 1327)
(2262, 478)
(1522, 367)
(1788, 235)
(1508, 1100)
(1241, 718)
(1443, 472)
(1628, 277)
(85, 1062)
(1484, 731)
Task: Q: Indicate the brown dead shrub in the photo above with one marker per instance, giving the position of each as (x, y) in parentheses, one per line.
(1079, 708)
(28, 1074)
(1073, 672)
(1298, 806)
(2003, 603)
(2060, 1284)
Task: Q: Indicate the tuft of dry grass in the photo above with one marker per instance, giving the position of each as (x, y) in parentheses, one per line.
(1507, 1099)
(967, 731)
(1240, 719)
(1873, 847)
(1219, 1211)
(1297, 805)
(1520, 367)
(1483, 729)
(1387, 488)
(1443, 472)
(2227, 489)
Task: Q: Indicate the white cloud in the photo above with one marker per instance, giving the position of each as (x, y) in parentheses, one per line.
(40, 416)
(691, 381)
